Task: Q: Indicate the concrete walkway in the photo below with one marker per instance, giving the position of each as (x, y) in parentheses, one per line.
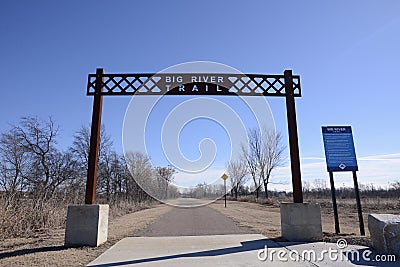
(229, 251)
(201, 236)
(194, 222)
(216, 250)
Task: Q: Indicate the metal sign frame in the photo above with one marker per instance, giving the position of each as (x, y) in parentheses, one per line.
(168, 83)
(339, 150)
(286, 85)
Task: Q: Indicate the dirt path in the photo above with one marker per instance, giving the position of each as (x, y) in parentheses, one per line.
(194, 222)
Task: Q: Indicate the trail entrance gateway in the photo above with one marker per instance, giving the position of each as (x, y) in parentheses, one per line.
(286, 85)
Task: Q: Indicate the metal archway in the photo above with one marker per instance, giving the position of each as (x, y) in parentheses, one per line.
(286, 85)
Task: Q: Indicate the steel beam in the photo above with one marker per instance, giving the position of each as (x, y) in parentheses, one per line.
(94, 140)
(293, 138)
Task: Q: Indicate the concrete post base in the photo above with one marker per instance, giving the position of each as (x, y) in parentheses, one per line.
(87, 225)
(385, 232)
(301, 221)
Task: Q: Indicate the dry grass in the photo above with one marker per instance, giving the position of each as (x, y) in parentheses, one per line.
(264, 216)
(25, 219)
(370, 205)
(121, 208)
(273, 202)
(47, 249)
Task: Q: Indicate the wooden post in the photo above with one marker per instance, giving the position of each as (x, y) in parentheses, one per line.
(335, 212)
(94, 140)
(359, 210)
(293, 138)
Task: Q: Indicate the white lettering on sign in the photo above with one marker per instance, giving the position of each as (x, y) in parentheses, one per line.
(173, 79)
(336, 129)
(171, 82)
(207, 79)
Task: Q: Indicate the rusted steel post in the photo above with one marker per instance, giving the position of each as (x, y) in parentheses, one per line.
(293, 138)
(94, 140)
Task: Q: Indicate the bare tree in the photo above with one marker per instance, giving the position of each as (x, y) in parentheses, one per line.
(271, 156)
(319, 185)
(109, 174)
(38, 138)
(141, 176)
(306, 187)
(37, 179)
(249, 156)
(164, 175)
(200, 191)
(80, 151)
(81, 144)
(237, 173)
(64, 169)
(13, 164)
(396, 186)
(266, 153)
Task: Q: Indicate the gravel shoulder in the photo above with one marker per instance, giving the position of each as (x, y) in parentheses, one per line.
(48, 249)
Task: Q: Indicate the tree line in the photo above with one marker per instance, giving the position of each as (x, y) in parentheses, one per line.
(318, 188)
(34, 168)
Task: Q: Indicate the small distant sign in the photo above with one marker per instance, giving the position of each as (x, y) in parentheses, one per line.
(224, 176)
(339, 148)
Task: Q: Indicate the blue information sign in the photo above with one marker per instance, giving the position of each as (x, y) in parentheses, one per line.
(339, 148)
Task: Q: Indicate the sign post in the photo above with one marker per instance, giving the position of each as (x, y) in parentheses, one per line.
(335, 212)
(224, 177)
(341, 156)
(359, 210)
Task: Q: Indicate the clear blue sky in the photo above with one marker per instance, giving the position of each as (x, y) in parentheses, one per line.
(347, 53)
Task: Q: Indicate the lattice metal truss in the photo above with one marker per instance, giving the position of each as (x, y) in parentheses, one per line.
(193, 84)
